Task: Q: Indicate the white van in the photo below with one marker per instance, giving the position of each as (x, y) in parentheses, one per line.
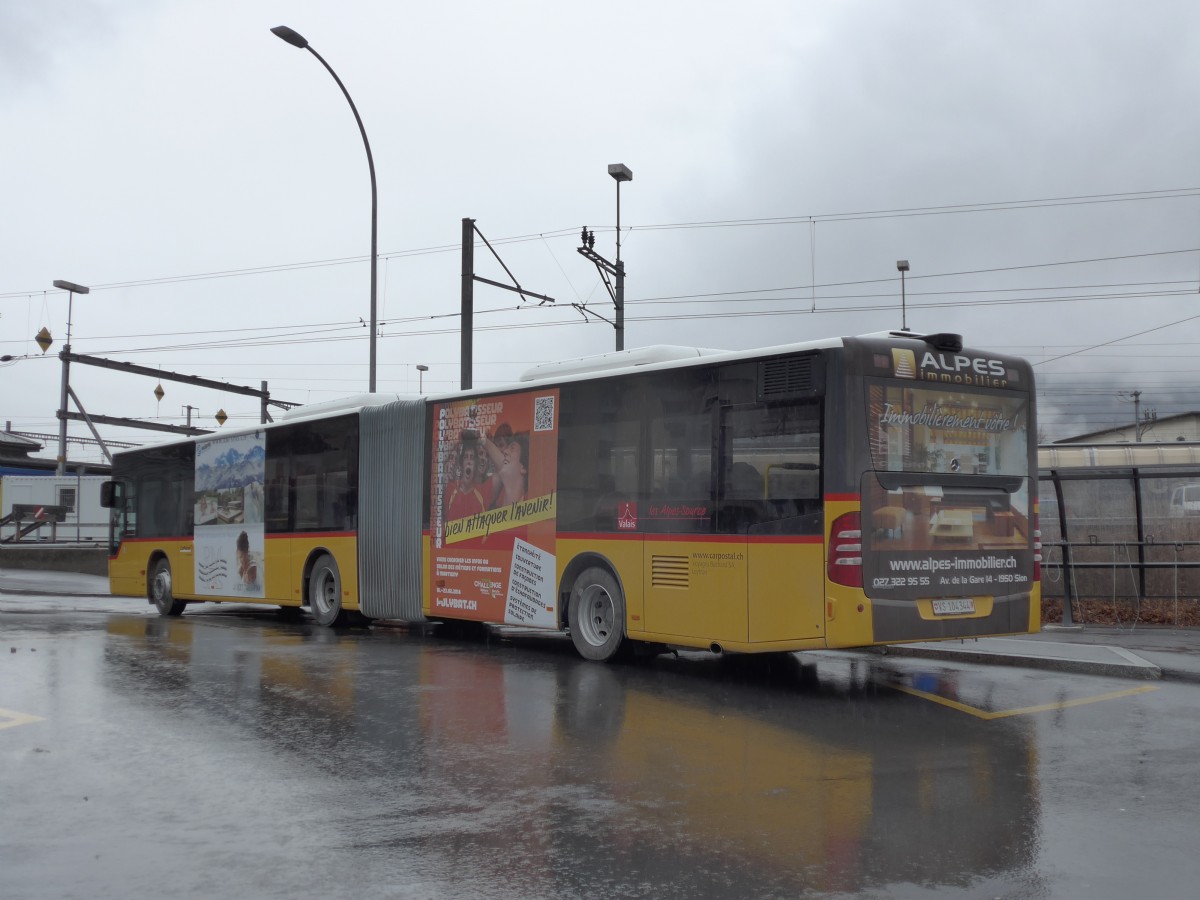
(1185, 501)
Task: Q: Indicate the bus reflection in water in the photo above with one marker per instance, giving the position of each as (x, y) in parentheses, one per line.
(838, 493)
(560, 778)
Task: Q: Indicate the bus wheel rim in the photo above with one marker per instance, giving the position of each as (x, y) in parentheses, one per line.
(598, 615)
(162, 584)
(324, 595)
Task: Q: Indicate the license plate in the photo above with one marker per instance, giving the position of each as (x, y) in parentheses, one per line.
(956, 607)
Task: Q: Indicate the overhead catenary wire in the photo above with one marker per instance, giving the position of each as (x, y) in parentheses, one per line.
(329, 334)
(801, 219)
(320, 327)
(713, 297)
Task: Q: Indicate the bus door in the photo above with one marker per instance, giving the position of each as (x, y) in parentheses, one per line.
(695, 579)
(164, 511)
(769, 501)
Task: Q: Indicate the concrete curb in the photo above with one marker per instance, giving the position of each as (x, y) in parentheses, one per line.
(1180, 675)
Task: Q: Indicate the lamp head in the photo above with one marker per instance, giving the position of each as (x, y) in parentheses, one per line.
(70, 286)
(902, 265)
(620, 172)
(286, 34)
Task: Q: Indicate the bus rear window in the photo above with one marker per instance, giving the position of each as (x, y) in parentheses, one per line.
(916, 429)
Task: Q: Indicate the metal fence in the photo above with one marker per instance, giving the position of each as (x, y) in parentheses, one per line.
(1121, 534)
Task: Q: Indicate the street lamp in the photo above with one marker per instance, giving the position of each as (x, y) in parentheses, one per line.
(902, 267)
(616, 271)
(620, 172)
(72, 289)
(287, 34)
(421, 370)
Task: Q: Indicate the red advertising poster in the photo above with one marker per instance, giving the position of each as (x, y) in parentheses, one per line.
(492, 516)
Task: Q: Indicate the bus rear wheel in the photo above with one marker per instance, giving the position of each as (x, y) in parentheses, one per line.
(325, 592)
(160, 590)
(596, 615)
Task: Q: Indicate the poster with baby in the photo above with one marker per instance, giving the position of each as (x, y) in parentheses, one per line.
(228, 515)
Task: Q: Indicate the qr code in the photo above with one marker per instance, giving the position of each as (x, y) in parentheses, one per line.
(543, 413)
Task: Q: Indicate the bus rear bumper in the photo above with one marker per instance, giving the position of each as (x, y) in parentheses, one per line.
(908, 620)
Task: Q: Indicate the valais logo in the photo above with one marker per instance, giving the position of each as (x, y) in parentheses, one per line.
(904, 362)
(627, 516)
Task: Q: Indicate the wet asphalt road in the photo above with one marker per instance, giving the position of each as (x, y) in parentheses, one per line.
(234, 753)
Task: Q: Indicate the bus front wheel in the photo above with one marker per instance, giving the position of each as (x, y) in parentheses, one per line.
(160, 590)
(325, 592)
(596, 615)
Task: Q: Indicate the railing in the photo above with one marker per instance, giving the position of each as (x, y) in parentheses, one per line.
(1121, 571)
(1116, 533)
(30, 529)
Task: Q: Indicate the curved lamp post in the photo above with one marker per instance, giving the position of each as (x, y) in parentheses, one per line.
(296, 40)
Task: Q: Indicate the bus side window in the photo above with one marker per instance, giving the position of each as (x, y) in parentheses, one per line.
(598, 457)
(312, 477)
(680, 423)
(335, 496)
(681, 473)
(129, 518)
(307, 496)
(278, 495)
(185, 509)
(743, 502)
(277, 500)
(772, 452)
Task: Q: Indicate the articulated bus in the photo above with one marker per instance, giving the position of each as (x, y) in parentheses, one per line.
(839, 493)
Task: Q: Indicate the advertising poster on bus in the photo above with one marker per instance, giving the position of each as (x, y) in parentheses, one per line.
(493, 509)
(228, 515)
(948, 505)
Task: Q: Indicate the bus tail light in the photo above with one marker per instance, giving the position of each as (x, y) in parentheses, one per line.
(845, 550)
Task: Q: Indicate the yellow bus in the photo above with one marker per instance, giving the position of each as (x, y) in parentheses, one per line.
(839, 493)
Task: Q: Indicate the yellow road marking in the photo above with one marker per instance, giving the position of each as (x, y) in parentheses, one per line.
(1026, 710)
(10, 719)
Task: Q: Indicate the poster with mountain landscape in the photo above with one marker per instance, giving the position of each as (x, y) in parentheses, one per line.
(228, 500)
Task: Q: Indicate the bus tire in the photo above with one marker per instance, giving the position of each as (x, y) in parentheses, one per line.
(160, 590)
(596, 614)
(325, 592)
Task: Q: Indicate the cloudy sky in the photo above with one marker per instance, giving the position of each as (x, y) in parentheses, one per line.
(1036, 162)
